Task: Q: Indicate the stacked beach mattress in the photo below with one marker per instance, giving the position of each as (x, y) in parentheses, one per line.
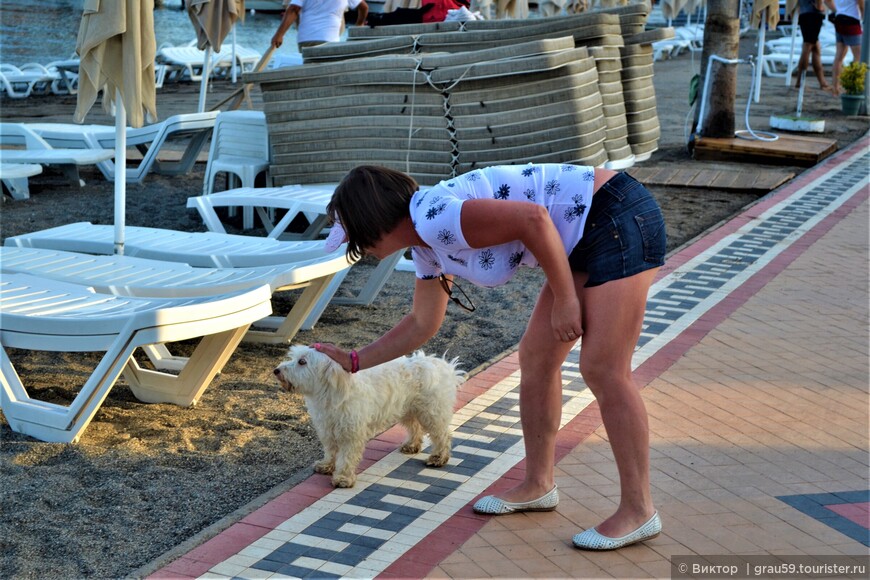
(435, 115)
(440, 99)
(638, 91)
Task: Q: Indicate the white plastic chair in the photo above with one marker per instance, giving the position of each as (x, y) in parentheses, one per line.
(47, 315)
(197, 249)
(14, 177)
(240, 148)
(131, 276)
(38, 151)
(149, 140)
(21, 82)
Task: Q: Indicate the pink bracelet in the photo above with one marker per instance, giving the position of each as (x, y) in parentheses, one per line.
(354, 361)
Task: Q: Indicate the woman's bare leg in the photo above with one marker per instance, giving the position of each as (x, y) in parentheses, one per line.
(541, 358)
(609, 336)
(612, 319)
(839, 57)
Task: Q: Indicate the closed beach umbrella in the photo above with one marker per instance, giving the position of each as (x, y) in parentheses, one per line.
(672, 8)
(765, 14)
(212, 20)
(116, 46)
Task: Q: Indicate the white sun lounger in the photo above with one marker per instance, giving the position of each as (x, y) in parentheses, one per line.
(21, 82)
(189, 60)
(197, 249)
(149, 140)
(14, 176)
(41, 314)
(131, 276)
(38, 151)
(310, 200)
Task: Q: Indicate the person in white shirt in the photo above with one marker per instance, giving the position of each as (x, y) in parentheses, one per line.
(318, 21)
(599, 238)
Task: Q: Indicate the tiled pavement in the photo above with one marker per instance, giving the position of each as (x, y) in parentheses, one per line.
(754, 369)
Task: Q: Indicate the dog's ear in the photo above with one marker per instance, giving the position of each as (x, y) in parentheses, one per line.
(333, 374)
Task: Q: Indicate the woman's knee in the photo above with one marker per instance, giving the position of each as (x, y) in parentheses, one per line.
(603, 376)
(540, 358)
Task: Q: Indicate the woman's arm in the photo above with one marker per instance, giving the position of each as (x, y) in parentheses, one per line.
(412, 331)
(491, 222)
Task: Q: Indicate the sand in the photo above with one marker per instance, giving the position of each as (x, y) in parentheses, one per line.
(145, 479)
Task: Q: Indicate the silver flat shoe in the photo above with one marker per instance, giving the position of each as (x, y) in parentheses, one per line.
(493, 506)
(592, 540)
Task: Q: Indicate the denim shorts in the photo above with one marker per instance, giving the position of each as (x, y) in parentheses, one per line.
(848, 39)
(624, 233)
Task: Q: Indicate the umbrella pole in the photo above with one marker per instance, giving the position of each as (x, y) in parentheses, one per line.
(234, 54)
(790, 68)
(206, 71)
(762, 28)
(120, 172)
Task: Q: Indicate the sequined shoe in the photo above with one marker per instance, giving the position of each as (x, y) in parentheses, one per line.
(592, 540)
(493, 506)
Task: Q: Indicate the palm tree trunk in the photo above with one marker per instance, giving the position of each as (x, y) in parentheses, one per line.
(721, 38)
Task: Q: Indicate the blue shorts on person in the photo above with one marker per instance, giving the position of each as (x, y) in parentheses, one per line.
(624, 233)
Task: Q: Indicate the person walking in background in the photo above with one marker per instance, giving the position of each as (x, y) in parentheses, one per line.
(598, 236)
(317, 21)
(847, 24)
(811, 18)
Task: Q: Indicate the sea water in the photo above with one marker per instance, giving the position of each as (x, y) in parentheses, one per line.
(43, 31)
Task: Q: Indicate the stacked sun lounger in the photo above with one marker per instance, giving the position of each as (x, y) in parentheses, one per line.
(435, 115)
(639, 93)
(520, 91)
(611, 34)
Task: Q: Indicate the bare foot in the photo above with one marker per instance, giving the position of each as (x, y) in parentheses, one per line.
(622, 523)
(524, 492)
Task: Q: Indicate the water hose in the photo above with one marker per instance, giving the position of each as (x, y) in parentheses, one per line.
(759, 135)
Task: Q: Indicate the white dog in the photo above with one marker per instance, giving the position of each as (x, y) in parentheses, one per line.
(349, 409)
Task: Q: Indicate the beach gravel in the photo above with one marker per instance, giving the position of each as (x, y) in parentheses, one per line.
(145, 479)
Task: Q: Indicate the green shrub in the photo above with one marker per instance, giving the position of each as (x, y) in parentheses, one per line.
(852, 78)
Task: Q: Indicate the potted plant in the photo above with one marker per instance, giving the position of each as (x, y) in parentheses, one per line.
(852, 82)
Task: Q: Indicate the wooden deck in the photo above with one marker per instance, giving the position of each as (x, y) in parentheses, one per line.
(713, 176)
(787, 150)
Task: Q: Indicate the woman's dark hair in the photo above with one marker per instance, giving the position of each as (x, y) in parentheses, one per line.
(369, 202)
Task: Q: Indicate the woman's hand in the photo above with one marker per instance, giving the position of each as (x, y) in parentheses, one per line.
(340, 356)
(566, 319)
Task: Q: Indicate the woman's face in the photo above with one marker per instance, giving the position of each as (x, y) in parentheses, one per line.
(387, 245)
(400, 238)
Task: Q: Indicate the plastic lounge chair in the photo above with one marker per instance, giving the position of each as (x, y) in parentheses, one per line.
(240, 148)
(310, 200)
(67, 72)
(694, 34)
(777, 64)
(187, 61)
(131, 276)
(14, 176)
(38, 151)
(197, 249)
(21, 82)
(149, 140)
(41, 314)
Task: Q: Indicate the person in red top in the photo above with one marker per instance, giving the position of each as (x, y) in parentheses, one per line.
(429, 11)
(438, 12)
